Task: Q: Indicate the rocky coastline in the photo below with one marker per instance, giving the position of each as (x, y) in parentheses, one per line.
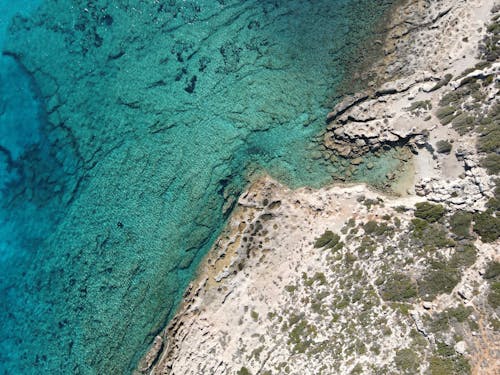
(345, 279)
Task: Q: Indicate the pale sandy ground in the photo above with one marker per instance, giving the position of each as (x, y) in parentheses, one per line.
(241, 282)
(288, 252)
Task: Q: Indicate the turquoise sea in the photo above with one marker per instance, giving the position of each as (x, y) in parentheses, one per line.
(128, 128)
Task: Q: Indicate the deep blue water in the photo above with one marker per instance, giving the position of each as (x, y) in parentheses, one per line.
(127, 130)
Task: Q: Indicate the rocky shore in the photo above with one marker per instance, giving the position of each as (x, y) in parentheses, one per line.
(347, 280)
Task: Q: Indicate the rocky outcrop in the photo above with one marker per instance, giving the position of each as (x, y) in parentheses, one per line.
(469, 191)
(412, 72)
(367, 123)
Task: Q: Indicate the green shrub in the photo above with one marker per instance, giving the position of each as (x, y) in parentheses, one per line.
(398, 287)
(446, 114)
(342, 303)
(444, 350)
(481, 65)
(367, 245)
(255, 315)
(494, 294)
(295, 318)
(488, 80)
(401, 209)
(328, 239)
(397, 222)
(493, 271)
(487, 226)
(375, 349)
(440, 322)
(436, 237)
(453, 97)
(440, 278)
(372, 227)
(442, 82)
(459, 313)
(357, 370)
(407, 361)
(422, 104)
(443, 147)
(429, 212)
(430, 236)
(440, 366)
(473, 325)
(463, 123)
(320, 277)
(492, 163)
(290, 288)
(489, 46)
(371, 202)
(449, 366)
(244, 371)
(418, 227)
(493, 203)
(350, 257)
(460, 223)
(465, 255)
(494, 28)
(489, 140)
(495, 324)
(300, 336)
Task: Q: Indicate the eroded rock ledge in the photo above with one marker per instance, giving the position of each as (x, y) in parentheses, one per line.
(423, 53)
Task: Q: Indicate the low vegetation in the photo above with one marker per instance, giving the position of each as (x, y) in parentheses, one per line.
(430, 237)
(429, 212)
(447, 362)
(487, 226)
(244, 371)
(425, 105)
(489, 46)
(460, 223)
(407, 361)
(493, 271)
(443, 147)
(398, 287)
(327, 239)
(465, 256)
(492, 275)
(494, 294)
(439, 278)
(491, 163)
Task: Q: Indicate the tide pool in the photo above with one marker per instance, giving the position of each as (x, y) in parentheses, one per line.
(149, 118)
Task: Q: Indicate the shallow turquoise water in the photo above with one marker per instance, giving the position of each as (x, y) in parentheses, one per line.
(147, 121)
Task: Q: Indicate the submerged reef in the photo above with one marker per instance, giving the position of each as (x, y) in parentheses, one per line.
(156, 114)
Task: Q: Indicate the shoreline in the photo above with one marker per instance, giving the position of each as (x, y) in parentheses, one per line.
(222, 274)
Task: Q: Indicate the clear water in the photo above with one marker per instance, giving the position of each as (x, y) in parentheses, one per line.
(127, 130)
